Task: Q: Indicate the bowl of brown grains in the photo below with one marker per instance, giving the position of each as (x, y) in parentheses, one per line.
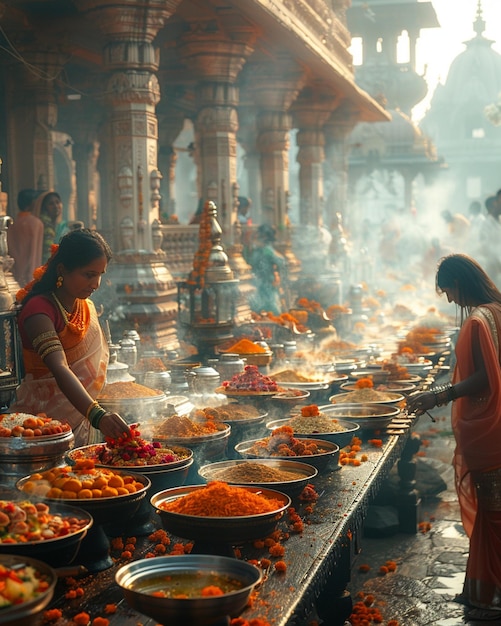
(289, 477)
(322, 426)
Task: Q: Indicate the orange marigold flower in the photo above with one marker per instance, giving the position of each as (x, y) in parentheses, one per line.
(364, 567)
(276, 550)
(377, 443)
(52, 615)
(281, 566)
(81, 619)
(364, 383)
(212, 590)
(383, 570)
(109, 609)
(265, 563)
(100, 621)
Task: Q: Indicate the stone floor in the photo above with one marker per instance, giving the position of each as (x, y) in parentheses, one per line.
(430, 564)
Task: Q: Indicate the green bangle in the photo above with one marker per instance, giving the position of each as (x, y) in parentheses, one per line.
(96, 415)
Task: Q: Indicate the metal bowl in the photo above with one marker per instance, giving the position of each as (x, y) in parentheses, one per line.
(396, 386)
(306, 473)
(56, 552)
(104, 510)
(135, 410)
(28, 613)
(368, 416)
(282, 398)
(205, 447)
(228, 530)
(20, 456)
(139, 580)
(342, 437)
(328, 452)
(394, 397)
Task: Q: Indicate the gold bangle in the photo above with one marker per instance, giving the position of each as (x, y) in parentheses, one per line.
(90, 407)
(49, 349)
(50, 334)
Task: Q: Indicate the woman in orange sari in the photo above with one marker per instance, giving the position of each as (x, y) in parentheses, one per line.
(64, 350)
(476, 422)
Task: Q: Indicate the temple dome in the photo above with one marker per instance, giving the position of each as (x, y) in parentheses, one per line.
(473, 82)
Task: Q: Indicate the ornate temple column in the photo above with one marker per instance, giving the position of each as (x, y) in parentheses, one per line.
(337, 131)
(139, 285)
(216, 59)
(132, 93)
(310, 114)
(33, 111)
(171, 122)
(273, 88)
(247, 134)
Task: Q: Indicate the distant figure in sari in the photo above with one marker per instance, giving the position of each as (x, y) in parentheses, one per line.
(49, 208)
(65, 352)
(476, 422)
(269, 268)
(25, 237)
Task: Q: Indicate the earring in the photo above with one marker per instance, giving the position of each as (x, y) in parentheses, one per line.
(59, 282)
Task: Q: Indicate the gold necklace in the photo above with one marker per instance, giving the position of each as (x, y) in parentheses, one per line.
(74, 320)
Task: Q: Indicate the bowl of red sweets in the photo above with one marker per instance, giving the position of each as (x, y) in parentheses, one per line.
(165, 465)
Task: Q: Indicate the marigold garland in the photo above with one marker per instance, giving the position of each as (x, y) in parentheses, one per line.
(38, 273)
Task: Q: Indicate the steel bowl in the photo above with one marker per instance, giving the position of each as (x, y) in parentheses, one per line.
(135, 410)
(205, 447)
(342, 437)
(28, 613)
(396, 386)
(20, 456)
(140, 580)
(344, 398)
(104, 510)
(293, 487)
(56, 552)
(329, 452)
(222, 530)
(368, 416)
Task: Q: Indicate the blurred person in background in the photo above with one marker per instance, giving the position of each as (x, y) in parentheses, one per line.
(475, 394)
(49, 208)
(269, 268)
(25, 237)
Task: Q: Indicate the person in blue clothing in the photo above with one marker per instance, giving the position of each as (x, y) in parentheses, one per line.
(269, 268)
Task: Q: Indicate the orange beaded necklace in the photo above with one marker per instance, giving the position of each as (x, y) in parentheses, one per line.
(75, 321)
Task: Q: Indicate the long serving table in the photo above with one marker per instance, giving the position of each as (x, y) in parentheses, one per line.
(318, 560)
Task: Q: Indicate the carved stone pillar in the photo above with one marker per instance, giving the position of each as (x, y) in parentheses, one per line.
(139, 278)
(32, 111)
(132, 93)
(273, 88)
(310, 114)
(170, 124)
(247, 133)
(216, 60)
(337, 131)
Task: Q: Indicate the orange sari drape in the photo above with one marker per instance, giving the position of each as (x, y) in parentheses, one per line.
(476, 422)
(87, 356)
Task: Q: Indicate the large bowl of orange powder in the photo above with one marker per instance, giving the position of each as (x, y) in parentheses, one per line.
(220, 513)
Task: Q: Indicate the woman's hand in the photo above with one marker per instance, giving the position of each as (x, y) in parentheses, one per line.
(420, 402)
(114, 426)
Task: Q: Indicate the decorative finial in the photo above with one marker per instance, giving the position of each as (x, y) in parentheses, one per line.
(479, 23)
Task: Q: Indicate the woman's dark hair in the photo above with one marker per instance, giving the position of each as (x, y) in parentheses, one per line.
(266, 233)
(76, 249)
(46, 199)
(461, 272)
